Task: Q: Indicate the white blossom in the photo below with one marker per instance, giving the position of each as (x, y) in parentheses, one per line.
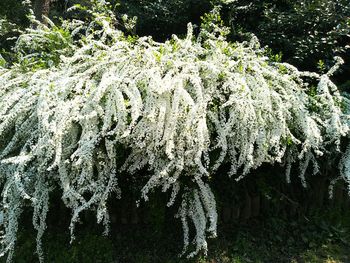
(172, 105)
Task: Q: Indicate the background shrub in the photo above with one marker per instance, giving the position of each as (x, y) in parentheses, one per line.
(304, 31)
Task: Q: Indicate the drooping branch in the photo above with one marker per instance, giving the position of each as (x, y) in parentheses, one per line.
(182, 108)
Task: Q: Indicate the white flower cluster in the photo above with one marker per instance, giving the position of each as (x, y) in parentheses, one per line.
(182, 109)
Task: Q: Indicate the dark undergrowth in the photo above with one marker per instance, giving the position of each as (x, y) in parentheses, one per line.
(271, 223)
(272, 239)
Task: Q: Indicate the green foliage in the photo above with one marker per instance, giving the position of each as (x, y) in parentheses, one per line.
(43, 46)
(304, 31)
(13, 19)
(212, 25)
(162, 18)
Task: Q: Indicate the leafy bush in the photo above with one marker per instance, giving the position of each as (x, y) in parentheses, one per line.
(305, 31)
(174, 111)
(13, 19)
(163, 18)
(43, 46)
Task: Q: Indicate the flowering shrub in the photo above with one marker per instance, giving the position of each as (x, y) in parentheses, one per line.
(181, 109)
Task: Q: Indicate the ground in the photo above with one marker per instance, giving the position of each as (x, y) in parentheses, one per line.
(258, 240)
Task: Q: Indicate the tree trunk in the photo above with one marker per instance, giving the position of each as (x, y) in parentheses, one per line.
(247, 208)
(41, 9)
